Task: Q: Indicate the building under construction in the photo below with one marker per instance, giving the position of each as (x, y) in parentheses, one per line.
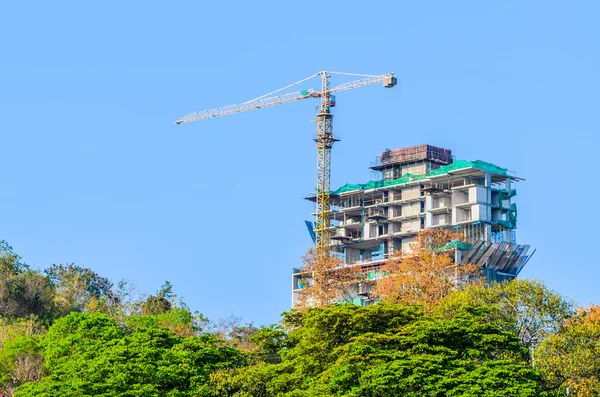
(423, 187)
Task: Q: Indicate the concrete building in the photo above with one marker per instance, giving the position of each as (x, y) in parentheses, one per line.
(423, 187)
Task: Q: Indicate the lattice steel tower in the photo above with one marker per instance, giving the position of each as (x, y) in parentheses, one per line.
(324, 138)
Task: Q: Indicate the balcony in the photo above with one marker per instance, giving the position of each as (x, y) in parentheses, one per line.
(441, 209)
(354, 208)
(352, 223)
(376, 214)
(439, 220)
(396, 217)
(404, 232)
(344, 236)
(341, 235)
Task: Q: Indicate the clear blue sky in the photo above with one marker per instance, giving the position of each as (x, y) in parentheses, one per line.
(96, 173)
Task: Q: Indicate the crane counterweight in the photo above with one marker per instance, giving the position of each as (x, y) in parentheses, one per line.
(390, 81)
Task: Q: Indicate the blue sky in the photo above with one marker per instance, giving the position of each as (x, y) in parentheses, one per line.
(96, 173)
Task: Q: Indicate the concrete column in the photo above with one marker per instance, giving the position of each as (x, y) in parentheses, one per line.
(507, 236)
(488, 206)
(457, 256)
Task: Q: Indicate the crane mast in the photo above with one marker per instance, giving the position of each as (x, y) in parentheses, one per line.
(325, 141)
(324, 138)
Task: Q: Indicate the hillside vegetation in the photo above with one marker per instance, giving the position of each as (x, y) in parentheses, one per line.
(67, 331)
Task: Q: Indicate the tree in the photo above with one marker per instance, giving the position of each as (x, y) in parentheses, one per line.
(326, 280)
(269, 341)
(181, 321)
(10, 261)
(20, 360)
(235, 332)
(527, 307)
(570, 358)
(435, 239)
(88, 354)
(10, 330)
(172, 313)
(80, 289)
(388, 350)
(23, 291)
(427, 273)
(129, 300)
(160, 303)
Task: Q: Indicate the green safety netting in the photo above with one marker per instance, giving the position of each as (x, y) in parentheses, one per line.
(357, 301)
(507, 195)
(348, 187)
(460, 164)
(372, 275)
(453, 245)
(512, 218)
(512, 215)
(457, 165)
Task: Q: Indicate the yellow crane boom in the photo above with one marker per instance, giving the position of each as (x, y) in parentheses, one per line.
(324, 138)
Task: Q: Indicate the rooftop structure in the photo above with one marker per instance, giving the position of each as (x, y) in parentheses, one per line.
(396, 163)
(422, 187)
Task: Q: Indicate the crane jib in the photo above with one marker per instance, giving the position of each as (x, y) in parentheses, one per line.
(324, 140)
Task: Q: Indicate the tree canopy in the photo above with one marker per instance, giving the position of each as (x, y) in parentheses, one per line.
(90, 355)
(389, 350)
(527, 307)
(425, 274)
(571, 357)
(68, 331)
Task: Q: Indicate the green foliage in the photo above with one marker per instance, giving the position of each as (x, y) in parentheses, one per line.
(20, 360)
(389, 350)
(571, 357)
(25, 293)
(235, 333)
(79, 289)
(527, 307)
(70, 332)
(10, 353)
(90, 355)
(10, 262)
(178, 320)
(10, 330)
(458, 357)
(160, 303)
(269, 341)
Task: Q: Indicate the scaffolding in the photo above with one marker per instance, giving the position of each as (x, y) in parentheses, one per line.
(471, 232)
(414, 154)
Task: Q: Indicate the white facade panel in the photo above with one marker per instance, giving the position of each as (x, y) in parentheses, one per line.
(428, 219)
(406, 242)
(477, 194)
(441, 220)
(477, 211)
(460, 197)
(428, 203)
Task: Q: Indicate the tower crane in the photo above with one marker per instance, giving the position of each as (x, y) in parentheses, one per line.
(324, 138)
